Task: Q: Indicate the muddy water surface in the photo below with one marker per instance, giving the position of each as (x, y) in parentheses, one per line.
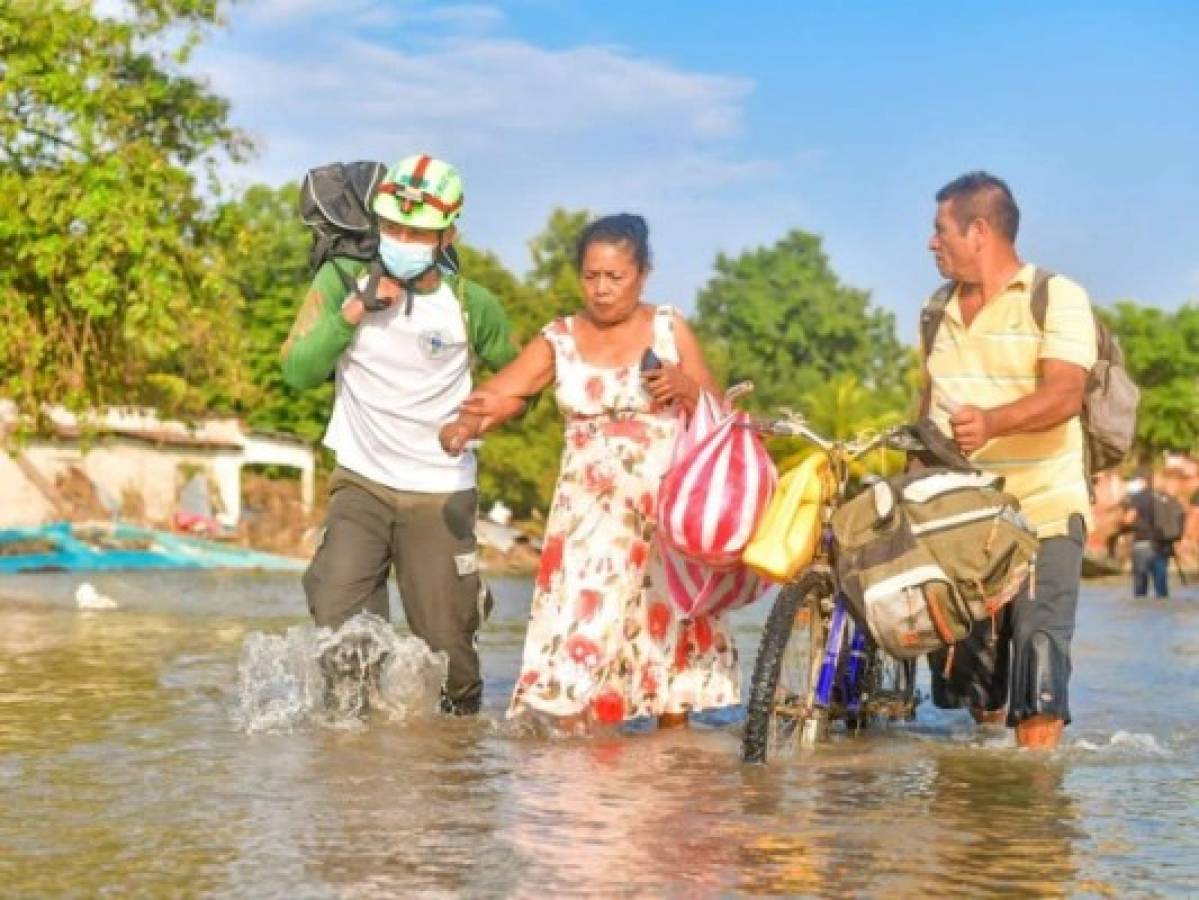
(135, 759)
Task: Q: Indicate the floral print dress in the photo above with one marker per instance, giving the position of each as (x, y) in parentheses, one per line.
(603, 638)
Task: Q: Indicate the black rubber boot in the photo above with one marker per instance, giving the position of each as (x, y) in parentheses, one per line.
(469, 707)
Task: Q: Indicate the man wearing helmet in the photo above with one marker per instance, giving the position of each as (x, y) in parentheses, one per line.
(402, 357)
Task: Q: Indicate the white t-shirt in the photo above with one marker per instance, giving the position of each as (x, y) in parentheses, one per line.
(401, 378)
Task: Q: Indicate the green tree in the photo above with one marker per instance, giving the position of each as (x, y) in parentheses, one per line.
(1162, 354)
(520, 302)
(519, 463)
(111, 290)
(780, 317)
(841, 408)
(553, 275)
(266, 246)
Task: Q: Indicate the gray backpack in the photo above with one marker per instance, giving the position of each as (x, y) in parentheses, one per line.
(1109, 406)
(922, 557)
(1169, 518)
(335, 204)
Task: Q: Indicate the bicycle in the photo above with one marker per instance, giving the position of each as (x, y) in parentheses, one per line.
(815, 665)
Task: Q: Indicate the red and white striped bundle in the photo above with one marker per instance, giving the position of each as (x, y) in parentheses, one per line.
(718, 484)
(716, 489)
(698, 590)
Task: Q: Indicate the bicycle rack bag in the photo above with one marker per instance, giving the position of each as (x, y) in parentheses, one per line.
(923, 556)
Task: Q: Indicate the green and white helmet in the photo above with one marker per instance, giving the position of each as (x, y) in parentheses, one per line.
(420, 192)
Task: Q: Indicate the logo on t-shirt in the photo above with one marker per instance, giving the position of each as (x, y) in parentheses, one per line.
(436, 343)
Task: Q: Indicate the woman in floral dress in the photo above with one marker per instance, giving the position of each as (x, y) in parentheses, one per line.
(604, 643)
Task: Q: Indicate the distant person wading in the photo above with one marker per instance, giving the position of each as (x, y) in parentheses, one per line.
(1157, 521)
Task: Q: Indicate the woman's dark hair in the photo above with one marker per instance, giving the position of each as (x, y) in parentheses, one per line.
(623, 228)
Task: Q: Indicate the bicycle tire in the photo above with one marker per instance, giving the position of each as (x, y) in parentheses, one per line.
(778, 633)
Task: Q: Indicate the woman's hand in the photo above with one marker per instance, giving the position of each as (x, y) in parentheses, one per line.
(454, 435)
(491, 408)
(670, 383)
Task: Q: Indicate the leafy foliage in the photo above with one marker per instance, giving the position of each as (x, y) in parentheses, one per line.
(519, 463)
(842, 408)
(1161, 350)
(780, 317)
(553, 273)
(266, 246)
(111, 291)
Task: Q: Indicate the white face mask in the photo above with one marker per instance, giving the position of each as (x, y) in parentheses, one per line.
(404, 260)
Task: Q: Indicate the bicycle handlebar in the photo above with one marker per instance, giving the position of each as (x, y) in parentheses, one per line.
(794, 426)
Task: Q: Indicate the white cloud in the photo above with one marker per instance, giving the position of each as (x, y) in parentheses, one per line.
(275, 12)
(373, 13)
(468, 16)
(490, 85)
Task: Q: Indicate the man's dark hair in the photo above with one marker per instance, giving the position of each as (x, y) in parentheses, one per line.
(980, 195)
(623, 228)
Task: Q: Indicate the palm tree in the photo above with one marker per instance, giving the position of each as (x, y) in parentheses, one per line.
(843, 408)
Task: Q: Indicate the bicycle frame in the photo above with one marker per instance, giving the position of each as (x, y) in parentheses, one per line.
(830, 688)
(832, 652)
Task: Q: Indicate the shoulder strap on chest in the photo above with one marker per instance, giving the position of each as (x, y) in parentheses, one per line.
(1039, 291)
(932, 314)
(458, 287)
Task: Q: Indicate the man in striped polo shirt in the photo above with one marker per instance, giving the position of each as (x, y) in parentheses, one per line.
(1009, 389)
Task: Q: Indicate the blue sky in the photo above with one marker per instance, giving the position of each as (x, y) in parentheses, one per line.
(729, 124)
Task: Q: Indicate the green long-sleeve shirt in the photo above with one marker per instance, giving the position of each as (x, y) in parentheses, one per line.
(320, 334)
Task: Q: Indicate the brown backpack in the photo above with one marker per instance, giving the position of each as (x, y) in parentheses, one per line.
(1109, 410)
(922, 557)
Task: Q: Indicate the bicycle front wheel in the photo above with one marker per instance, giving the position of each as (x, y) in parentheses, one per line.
(781, 715)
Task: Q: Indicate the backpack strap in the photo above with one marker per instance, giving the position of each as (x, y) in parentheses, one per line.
(1039, 302)
(1039, 291)
(370, 299)
(932, 314)
(458, 286)
(346, 280)
(369, 292)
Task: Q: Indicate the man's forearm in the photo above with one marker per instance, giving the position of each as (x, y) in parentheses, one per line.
(309, 358)
(1039, 411)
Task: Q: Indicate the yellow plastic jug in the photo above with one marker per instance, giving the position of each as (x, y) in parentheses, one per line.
(786, 537)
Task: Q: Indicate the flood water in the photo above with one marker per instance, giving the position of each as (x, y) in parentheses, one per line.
(136, 760)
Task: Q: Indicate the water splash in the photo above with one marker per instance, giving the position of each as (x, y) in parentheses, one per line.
(1122, 741)
(336, 678)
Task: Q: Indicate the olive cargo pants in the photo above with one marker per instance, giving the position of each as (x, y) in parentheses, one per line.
(430, 541)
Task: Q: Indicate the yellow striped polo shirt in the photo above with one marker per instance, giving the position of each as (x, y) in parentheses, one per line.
(993, 362)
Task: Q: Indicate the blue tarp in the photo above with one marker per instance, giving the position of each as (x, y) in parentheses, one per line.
(72, 551)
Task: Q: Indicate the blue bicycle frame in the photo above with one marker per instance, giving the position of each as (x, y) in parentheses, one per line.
(849, 684)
